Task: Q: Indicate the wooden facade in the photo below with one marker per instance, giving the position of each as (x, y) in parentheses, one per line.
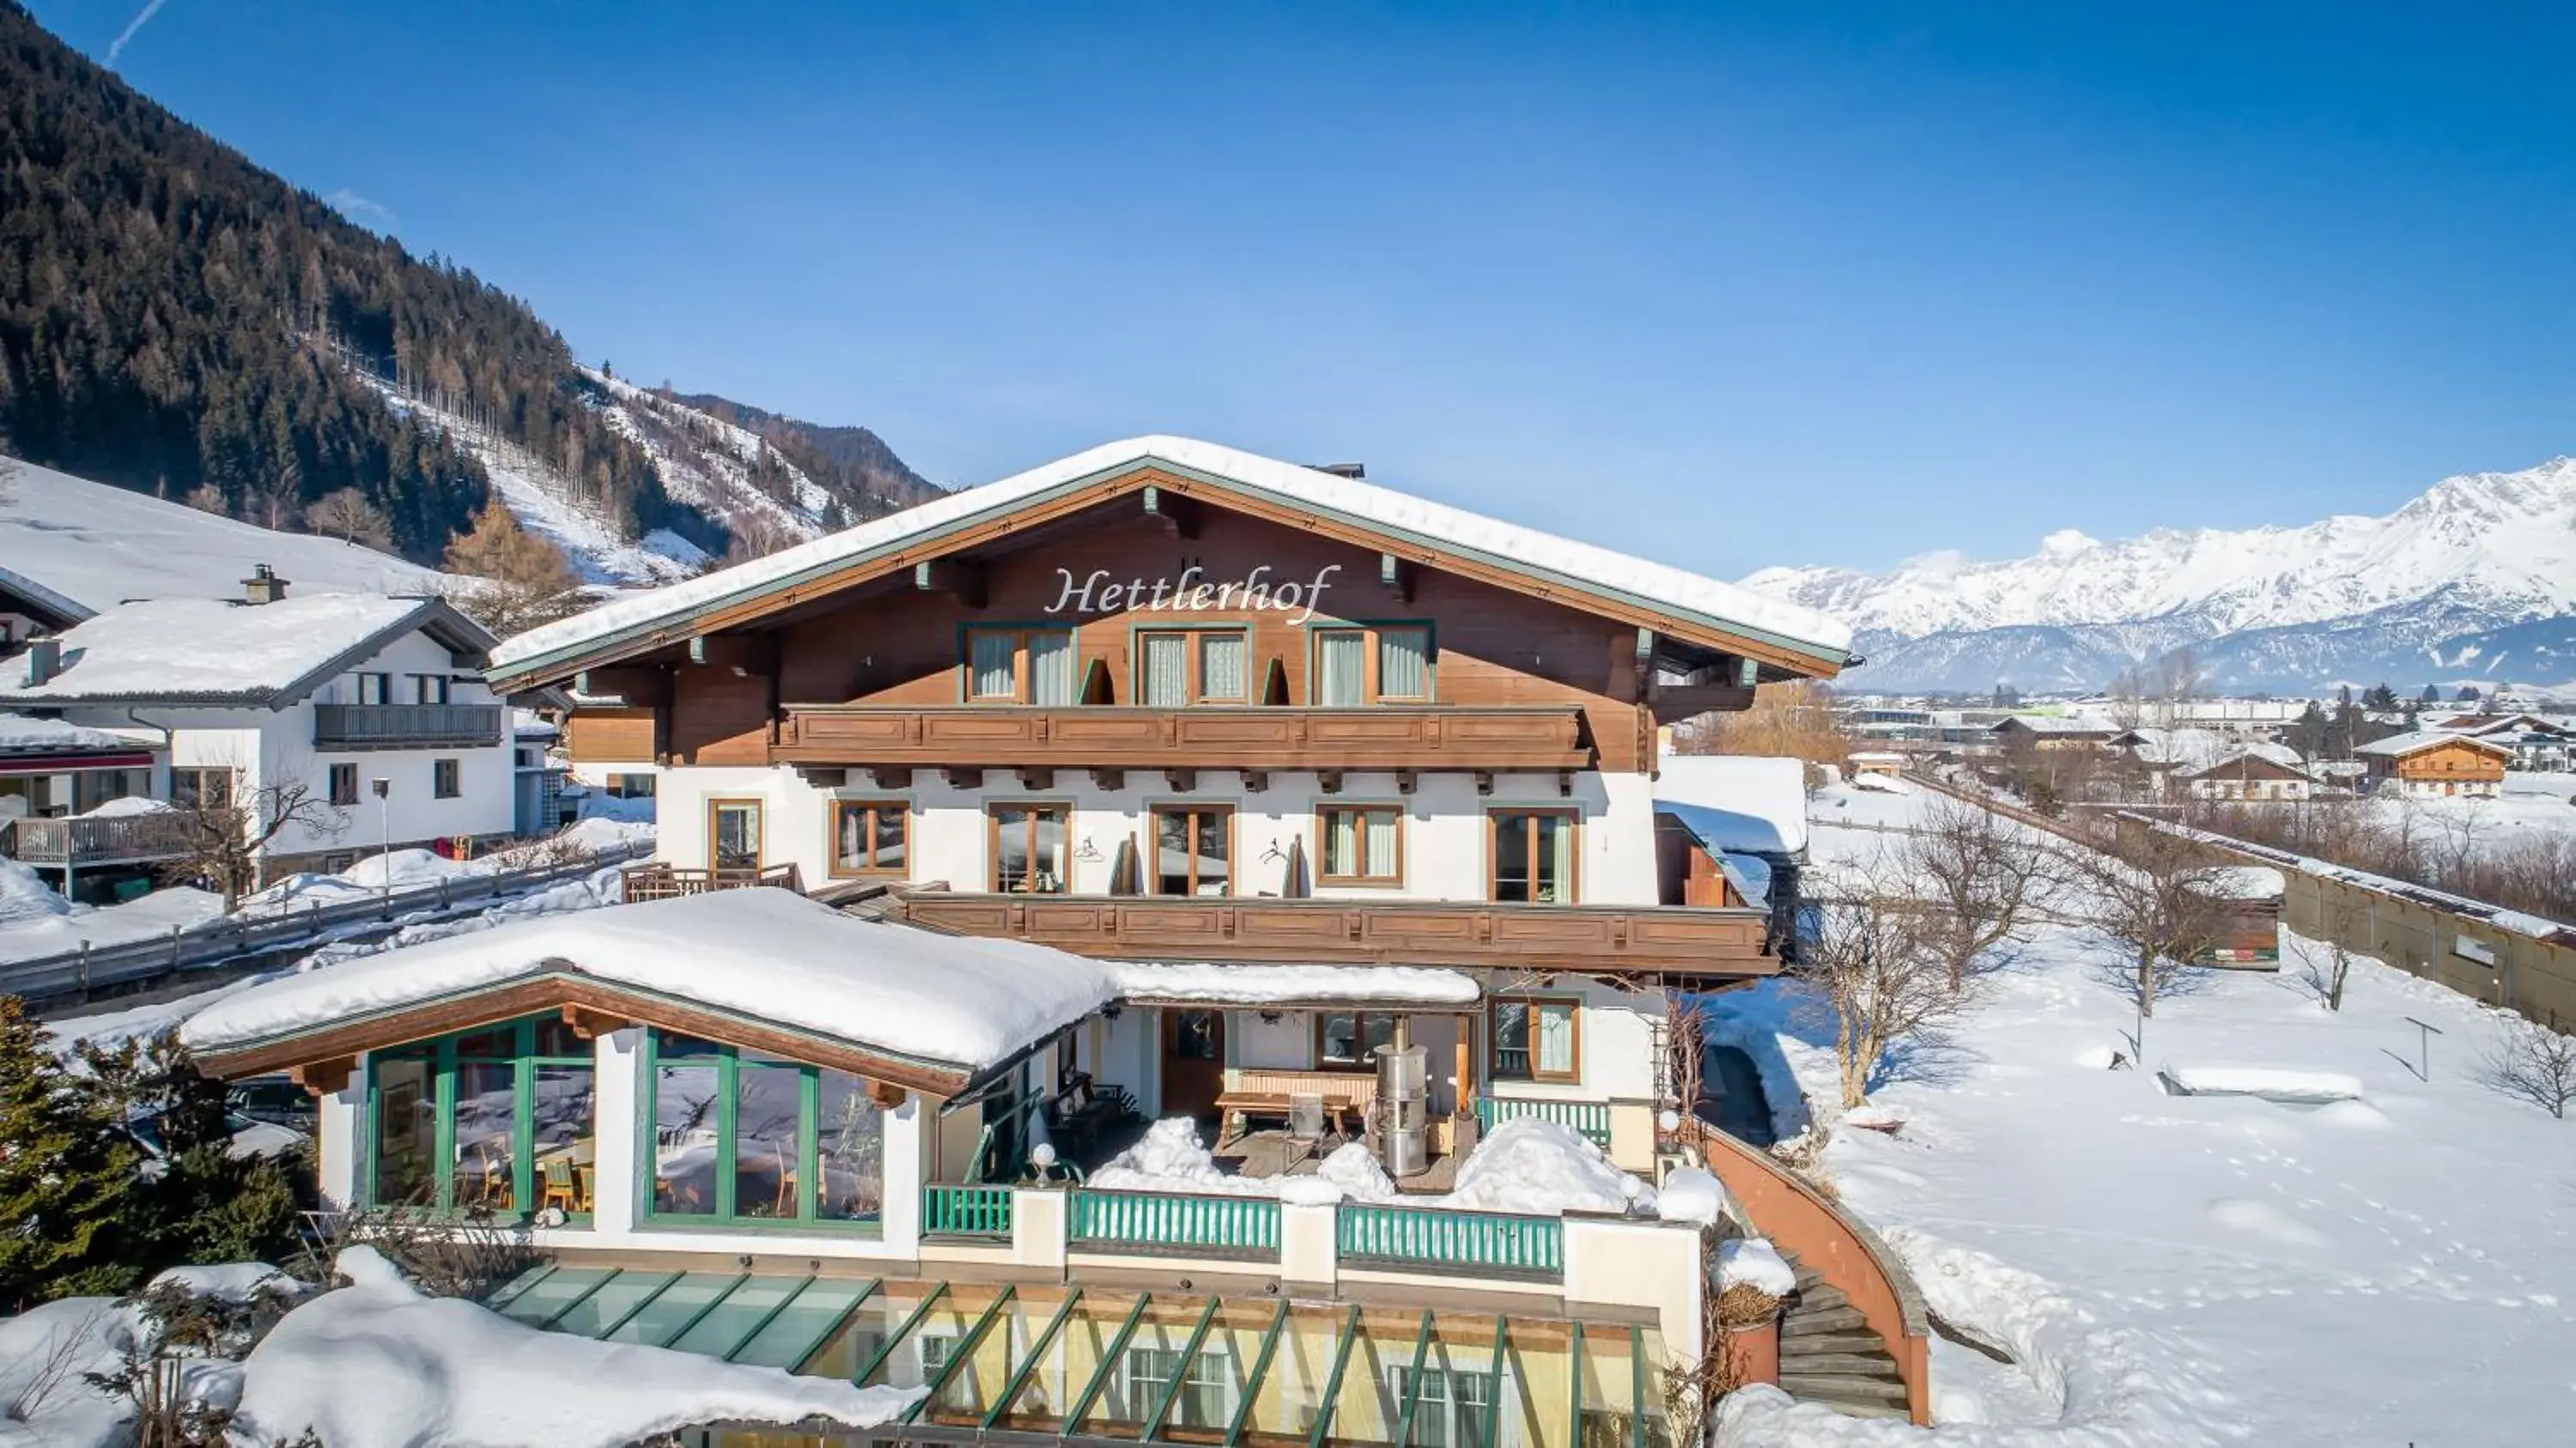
(2457, 765)
(1208, 737)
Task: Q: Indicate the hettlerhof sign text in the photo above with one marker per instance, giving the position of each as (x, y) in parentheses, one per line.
(1192, 592)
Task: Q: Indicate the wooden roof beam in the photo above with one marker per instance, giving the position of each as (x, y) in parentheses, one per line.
(951, 575)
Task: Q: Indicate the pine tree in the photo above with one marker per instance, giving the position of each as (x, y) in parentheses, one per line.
(64, 1168)
(204, 1204)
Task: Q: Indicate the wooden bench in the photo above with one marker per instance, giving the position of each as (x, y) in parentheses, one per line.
(1268, 1093)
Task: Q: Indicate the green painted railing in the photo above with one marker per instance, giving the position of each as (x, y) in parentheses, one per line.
(1589, 1117)
(1432, 1236)
(1160, 1220)
(955, 1211)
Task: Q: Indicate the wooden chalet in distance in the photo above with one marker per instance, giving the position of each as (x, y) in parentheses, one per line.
(1165, 701)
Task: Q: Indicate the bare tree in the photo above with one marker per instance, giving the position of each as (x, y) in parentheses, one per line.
(2534, 1062)
(1981, 873)
(2326, 970)
(224, 829)
(207, 498)
(349, 517)
(2162, 896)
(1875, 963)
(1792, 720)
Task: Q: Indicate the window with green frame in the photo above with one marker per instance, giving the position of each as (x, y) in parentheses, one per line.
(742, 1137)
(500, 1119)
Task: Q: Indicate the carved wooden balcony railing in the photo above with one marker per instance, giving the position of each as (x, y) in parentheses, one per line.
(1105, 737)
(1622, 939)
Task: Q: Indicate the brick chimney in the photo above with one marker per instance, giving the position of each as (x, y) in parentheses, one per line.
(263, 585)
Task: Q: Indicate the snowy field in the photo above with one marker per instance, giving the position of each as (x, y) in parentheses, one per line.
(2530, 804)
(2396, 1267)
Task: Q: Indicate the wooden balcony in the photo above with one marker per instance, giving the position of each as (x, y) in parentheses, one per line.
(654, 880)
(1106, 737)
(405, 726)
(1642, 939)
(86, 840)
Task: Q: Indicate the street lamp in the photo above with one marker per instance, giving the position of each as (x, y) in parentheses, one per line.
(384, 790)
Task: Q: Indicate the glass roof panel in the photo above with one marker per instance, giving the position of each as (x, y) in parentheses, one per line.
(501, 1295)
(555, 1292)
(801, 1326)
(744, 1311)
(670, 1314)
(615, 1298)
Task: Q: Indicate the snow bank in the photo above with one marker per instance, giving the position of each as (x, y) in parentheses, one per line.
(46, 1353)
(770, 954)
(1529, 1165)
(24, 896)
(1169, 1157)
(1290, 984)
(1881, 783)
(229, 1281)
(130, 804)
(377, 1364)
(1753, 1262)
(2272, 1083)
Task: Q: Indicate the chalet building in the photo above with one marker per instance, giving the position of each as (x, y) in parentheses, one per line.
(2244, 775)
(29, 608)
(2537, 743)
(249, 702)
(2431, 762)
(2051, 731)
(1162, 782)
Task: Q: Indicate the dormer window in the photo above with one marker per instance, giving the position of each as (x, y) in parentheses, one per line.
(1020, 666)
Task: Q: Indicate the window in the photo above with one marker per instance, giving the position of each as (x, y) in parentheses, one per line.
(1533, 856)
(429, 688)
(1380, 664)
(1029, 848)
(1205, 1389)
(1019, 666)
(733, 834)
(1452, 1409)
(206, 789)
(1533, 1040)
(375, 688)
(1350, 1040)
(631, 786)
(1361, 844)
(498, 1119)
(1193, 850)
(869, 837)
(344, 784)
(445, 779)
(739, 1136)
(1176, 668)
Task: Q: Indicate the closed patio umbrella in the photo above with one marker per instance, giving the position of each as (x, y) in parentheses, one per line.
(1293, 884)
(1127, 872)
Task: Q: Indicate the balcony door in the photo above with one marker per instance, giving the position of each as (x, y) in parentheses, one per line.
(733, 834)
(1194, 850)
(1193, 1061)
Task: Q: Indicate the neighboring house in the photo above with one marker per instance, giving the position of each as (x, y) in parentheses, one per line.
(29, 608)
(74, 805)
(2537, 743)
(2436, 762)
(1877, 761)
(2247, 774)
(2051, 731)
(244, 699)
(1162, 779)
(538, 804)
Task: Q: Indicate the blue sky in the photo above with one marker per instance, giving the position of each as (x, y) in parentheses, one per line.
(1726, 286)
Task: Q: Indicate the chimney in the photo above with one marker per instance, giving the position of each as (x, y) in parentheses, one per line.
(44, 661)
(1342, 470)
(263, 585)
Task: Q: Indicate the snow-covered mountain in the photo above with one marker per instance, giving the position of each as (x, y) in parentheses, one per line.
(2475, 580)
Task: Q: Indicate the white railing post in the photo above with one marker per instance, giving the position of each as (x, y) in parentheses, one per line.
(1040, 1223)
(1309, 1249)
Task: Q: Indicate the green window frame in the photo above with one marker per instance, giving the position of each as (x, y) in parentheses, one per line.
(720, 1199)
(517, 1050)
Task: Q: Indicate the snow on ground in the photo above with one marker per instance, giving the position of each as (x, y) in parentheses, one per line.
(35, 921)
(2176, 1270)
(377, 1364)
(2530, 805)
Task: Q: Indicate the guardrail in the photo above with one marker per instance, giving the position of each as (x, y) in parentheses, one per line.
(1441, 1238)
(960, 1211)
(79, 840)
(1171, 1220)
(1591, 1118)
(87, 967)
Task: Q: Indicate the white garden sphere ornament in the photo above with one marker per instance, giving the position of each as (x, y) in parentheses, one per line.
(1670, 1120)
(1042, 1155)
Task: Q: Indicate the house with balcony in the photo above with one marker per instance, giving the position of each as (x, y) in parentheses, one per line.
(369, 710)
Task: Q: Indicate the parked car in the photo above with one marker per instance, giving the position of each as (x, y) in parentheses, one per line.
(276, 1100)
(250, 1138)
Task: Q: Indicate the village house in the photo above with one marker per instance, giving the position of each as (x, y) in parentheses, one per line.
(2430, 762)
(2052, 732)
(1164, 783)
(2537, 743)
(363, 717)
(2245, 775)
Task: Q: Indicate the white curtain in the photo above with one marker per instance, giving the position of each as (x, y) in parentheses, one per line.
(990, 656)
(1554, 1053)
(1340, 663)
(1221, 665)
(1051, 668)
(1381, 844)
(1167, 679)
(1342, 843)
(1403, 663)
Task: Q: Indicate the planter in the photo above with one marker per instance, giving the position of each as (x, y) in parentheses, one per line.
(1752, 1353)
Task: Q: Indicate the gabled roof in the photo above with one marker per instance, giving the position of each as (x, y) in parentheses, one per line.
(204, 651)
(2499, 724)
(2058, 724)
(2400, 745)
(57, 610)
(2245, 764)
(1718, 611)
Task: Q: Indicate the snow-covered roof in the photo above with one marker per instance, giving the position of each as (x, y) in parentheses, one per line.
(100, 546)
(1748, 804)
(2398, 746)
(1749, 874)
(2056, 724)
(20, 734)
(771, 956)
(213, 651)
(1582, 567)
(2278, 757)
(28, 590)
(1260, 985)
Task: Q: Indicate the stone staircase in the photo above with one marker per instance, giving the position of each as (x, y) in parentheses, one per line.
(1829, 1356)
